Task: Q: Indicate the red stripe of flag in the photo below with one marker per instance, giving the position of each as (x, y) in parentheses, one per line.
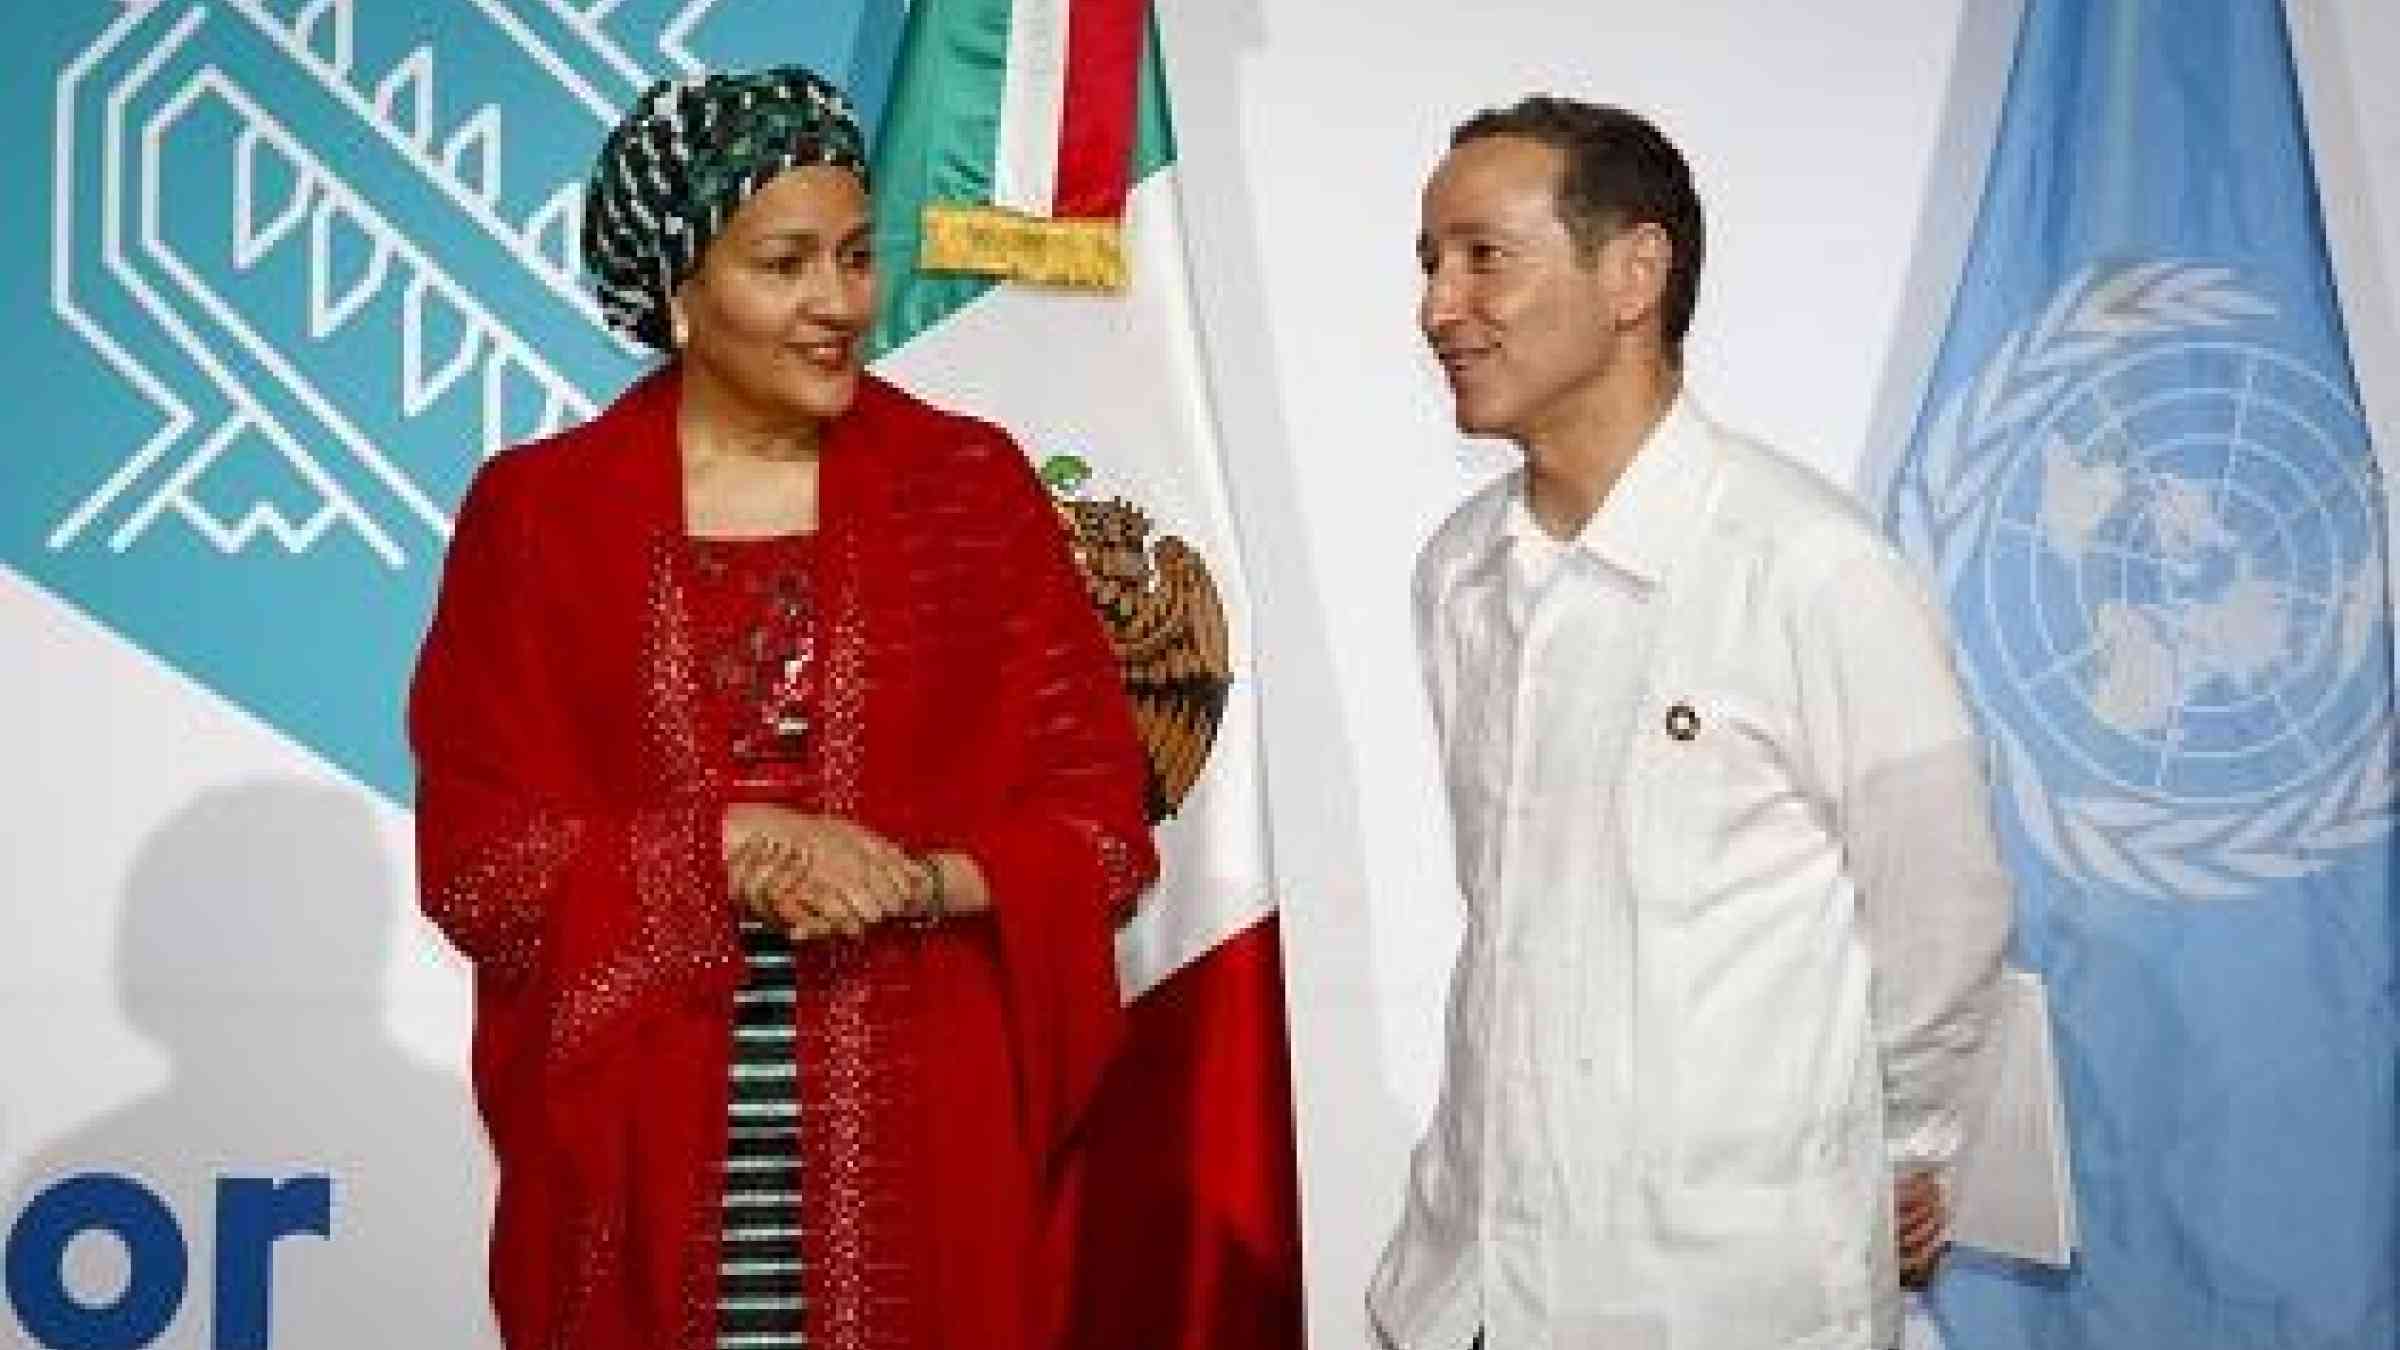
(1095, 132)
(1182, 1209)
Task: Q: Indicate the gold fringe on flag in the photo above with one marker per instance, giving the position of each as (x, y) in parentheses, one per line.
(997, 242)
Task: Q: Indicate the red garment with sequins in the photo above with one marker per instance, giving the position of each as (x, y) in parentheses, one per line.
(568, 817)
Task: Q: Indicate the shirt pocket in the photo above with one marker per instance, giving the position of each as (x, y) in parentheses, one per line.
(1761, 1265)
(1712, 793)
(1725, 813)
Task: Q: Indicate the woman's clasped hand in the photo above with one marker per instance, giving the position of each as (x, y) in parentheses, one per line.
(815, 876)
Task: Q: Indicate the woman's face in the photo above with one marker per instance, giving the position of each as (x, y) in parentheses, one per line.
(782, 299)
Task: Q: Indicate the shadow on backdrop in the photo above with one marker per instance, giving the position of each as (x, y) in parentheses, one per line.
(2354, 232)
(1962, 151)
(1352, 1128)
(252, 950)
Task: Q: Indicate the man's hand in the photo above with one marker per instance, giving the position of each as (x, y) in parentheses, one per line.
(1921, 1225)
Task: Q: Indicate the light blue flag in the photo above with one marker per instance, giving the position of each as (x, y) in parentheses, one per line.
(284, 272)
(2143, 481)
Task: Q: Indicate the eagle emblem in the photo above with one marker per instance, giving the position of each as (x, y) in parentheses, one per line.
(1166, 622)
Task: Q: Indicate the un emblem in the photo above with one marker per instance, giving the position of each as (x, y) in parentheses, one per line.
(2162, 537)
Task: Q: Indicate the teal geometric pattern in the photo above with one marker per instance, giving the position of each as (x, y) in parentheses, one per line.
(293, 269)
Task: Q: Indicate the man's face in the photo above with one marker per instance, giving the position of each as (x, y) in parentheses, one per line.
(1522, 326)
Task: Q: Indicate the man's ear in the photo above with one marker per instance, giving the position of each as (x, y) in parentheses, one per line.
(1641, 256)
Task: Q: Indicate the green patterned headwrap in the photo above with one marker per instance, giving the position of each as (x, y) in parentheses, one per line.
(679, 165)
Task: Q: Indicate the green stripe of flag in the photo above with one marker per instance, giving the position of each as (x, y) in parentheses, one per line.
(938, 142)
(1154, 131)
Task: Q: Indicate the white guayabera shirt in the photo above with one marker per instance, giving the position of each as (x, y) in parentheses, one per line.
(1734, 915)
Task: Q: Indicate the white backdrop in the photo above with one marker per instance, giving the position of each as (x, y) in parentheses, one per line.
(1835, 144)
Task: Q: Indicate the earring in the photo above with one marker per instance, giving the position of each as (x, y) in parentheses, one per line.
(679, 329)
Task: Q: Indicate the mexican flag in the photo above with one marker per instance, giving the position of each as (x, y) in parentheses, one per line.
(1028, 235)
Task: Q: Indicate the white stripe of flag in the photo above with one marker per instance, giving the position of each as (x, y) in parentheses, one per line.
(1033, 106)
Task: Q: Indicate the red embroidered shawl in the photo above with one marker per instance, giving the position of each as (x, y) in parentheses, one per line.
(568, 842)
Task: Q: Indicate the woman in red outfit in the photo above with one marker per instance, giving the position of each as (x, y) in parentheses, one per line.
(775, 776)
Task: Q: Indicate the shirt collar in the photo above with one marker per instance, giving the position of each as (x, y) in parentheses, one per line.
(1648, 513)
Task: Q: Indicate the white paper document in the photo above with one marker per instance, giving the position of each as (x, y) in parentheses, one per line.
(2013, 1189)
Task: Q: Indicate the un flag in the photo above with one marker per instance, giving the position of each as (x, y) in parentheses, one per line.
(2144, 485)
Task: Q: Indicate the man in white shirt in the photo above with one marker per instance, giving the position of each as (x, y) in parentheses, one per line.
(1734, 912)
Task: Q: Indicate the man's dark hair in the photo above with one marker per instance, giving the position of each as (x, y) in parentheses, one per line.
(1620, 170)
